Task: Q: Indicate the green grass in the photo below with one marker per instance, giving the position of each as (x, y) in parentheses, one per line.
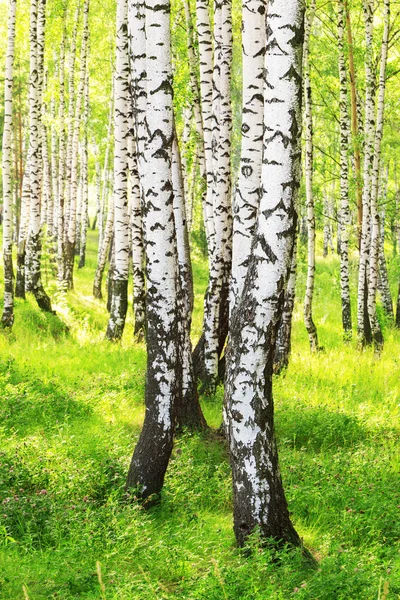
(71, 409)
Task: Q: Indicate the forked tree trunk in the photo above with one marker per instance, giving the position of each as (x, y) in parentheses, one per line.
(308, 300)
(153, 450)
(7, 318)
(119, 280)
(258, 497)
(344, 214)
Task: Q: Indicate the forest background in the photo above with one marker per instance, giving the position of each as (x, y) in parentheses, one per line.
(72, 403)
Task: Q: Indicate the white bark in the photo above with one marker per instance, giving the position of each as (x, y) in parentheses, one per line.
(220, 258)
(259, 500)
(8, 309)
(71, 226)
(375, 233)
(344, 214)
(308, 300)
(119, 301)
(139, 285)
(247, 193)
(154, 447)
(33, 252)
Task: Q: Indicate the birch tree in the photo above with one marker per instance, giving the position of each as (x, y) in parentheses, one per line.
(33, 282)
(375, 221)
(216, 308)
(7, 318)
(152, 452)
(71, 226)
(308, 300)
(119, 283)
(363, 322)
(136, 226)
(344, 214)
(247, 193)
(85, 177)
(258, 496)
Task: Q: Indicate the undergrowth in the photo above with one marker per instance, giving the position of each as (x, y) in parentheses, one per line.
(71, 410)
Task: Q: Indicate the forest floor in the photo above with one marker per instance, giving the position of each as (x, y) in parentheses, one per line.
(71, 408)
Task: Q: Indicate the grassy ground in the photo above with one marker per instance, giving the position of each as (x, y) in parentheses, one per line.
(71, 409)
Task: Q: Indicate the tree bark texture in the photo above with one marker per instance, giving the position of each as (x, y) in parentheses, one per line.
(259, 500)
(7, 318)
(153, 450)
(119, 299)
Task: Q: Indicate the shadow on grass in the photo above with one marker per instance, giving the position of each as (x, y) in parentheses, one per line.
(30, 403)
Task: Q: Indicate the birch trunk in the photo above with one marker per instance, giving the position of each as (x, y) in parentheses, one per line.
(344, 214)
(7, 318)
(375, 234)
(85, 178)
(308, 300)
(70, 141)
(153, 450)
(188, 410)
(119, 282)
(73, 188)
(23, 231)
(139, 284)
(206, 92)
(284, 337)
(216, 299)
(354, 120)
(54, 172)
(258, 496)
(61, 163)
(104, 250)
(383, 273)
(363, 320)
(33, 282)
(247, 193)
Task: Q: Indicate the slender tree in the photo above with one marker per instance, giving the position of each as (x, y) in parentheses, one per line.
(375, 220)
(85, 178)
(308, 300)
(33, 281)
(216, 307)
(119, 282)
(247, 193)
(7, 318)
(71, 225)
(363, 321)
(344, 214)
(136, 226)
(153, 450)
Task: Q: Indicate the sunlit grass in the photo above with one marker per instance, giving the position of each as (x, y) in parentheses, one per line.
(71, 410)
